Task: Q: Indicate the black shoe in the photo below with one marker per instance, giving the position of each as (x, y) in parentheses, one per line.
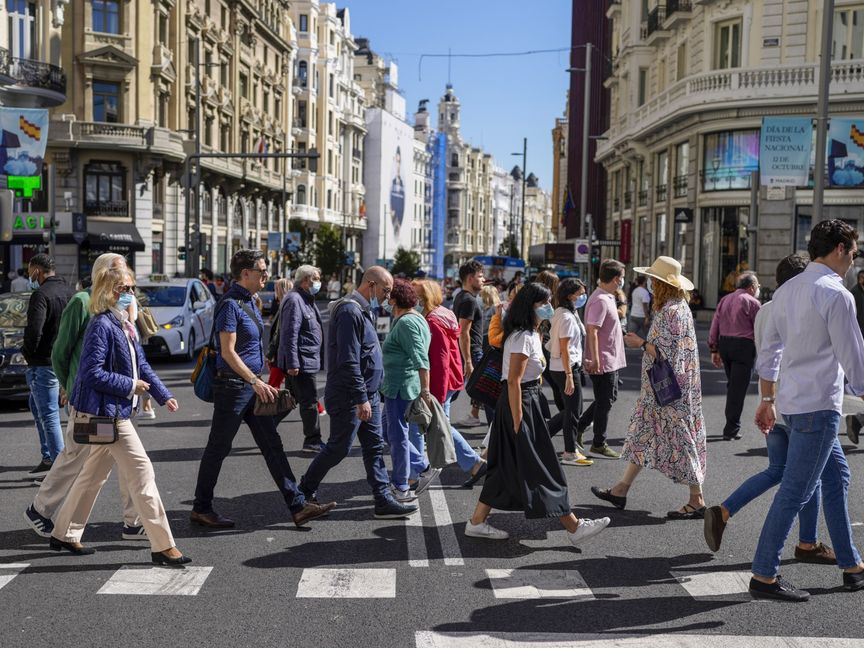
(162, 560)
(393, 510)
(853, 428)
(425, 480)
(44, 466)
(606, 495)
(853, 582)
(480, 474)
(733, 437)
(73, 548)
(781, 590)
(714, 527)
(40, 524)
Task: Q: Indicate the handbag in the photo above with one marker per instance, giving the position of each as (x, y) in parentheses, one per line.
(147, 325)
(281, 406)
(664, 384)
(484, 385)
(89, 429)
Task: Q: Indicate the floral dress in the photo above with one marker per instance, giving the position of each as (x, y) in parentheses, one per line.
(671, 439)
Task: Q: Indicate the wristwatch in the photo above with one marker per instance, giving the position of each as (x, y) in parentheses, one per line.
(643, 345)
(253, 380)
(767, 399)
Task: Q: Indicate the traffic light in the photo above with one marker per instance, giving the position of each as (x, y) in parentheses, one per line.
(595, 254)
(181, 253)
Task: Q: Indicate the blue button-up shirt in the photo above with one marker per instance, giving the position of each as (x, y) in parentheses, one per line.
(232, 318)
(812, 336)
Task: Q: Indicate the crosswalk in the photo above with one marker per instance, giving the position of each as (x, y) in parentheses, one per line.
(427, 639)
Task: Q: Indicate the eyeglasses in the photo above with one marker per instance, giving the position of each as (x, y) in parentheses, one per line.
(263, 273)
(125, 289)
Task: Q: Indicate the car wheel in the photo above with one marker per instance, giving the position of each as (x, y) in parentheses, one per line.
(190, 345)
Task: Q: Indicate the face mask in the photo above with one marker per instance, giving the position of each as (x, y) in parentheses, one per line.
(649, 286)
(33, 283)
(580, 301)
(545, 312)
(125, 300)
(316, 286)
(388, 307)
(419, 308)
(620, 283)
(758, 292)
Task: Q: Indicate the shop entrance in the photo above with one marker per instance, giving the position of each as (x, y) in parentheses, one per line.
(725, 251)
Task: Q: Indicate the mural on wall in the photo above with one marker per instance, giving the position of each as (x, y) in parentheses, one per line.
(846, 152)
(23, 139)
(397, 194)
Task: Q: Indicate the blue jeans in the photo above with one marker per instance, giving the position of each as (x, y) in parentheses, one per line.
(814, 452)
(466, 457)
(406, 458)
(777, 442)
(344, 427)
(45, 406)
(233, 402)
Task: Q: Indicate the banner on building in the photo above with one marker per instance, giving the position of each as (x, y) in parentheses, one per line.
(846, 152)
(784, 151)
(23, 138)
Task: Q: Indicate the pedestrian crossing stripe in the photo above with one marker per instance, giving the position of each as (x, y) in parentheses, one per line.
(347, 583)
(9, 571)
(703, 585)
(156, 581)
(538, 583)
(427, 639)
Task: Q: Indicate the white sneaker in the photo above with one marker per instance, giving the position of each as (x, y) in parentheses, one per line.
(402, 496)
(485, 530)
(587, 529)
(469, 421)
(147, 414)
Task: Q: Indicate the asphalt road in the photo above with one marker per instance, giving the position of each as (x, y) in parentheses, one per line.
(350, 580)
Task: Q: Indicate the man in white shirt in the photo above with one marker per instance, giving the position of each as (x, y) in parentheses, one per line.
(814, 336)
(640, 308)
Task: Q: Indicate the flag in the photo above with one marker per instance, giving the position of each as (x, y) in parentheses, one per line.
(30, 129)
(263, 146)
(569, 203)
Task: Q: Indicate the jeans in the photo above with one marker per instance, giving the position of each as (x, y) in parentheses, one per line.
(489, 411)
(406, 458)
(777, 442)
(639, 326)
(306, 392)
(233, 402)
(738, 355)
(814, 452)
(344, 427)
(568, 418)
(605, 393)
(45, 406)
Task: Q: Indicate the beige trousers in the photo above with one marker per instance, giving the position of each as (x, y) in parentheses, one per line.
(135, 469)
(63, 472)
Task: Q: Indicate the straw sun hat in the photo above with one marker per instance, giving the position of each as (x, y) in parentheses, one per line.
(667, 270)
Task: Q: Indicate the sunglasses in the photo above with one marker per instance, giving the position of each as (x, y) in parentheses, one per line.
(125, 289)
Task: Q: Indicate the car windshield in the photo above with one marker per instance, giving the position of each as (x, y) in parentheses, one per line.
(155, 296)
(13, 310)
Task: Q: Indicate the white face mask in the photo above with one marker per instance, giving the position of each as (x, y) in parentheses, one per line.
(649, 286)
(758, 292)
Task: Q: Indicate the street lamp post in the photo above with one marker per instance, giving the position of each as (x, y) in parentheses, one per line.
(822, 110)
(524, 155)
(586, 116)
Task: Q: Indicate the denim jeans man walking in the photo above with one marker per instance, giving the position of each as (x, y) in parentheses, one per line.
(812, 327)
(43, 322)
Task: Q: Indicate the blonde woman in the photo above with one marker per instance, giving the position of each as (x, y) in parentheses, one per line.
(669, 438)
(277, 376)
(112, 377)
(490, 299)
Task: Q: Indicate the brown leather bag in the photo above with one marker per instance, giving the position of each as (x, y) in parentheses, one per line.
(281, 406)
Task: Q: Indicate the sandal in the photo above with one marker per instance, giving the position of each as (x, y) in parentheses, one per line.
(689, 513)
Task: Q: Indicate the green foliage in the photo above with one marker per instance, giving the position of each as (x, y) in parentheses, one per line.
(406, 261)
(508, 247)
(328, 250)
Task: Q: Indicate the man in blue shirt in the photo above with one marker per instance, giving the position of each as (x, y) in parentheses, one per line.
(355, 370)
(239, 363)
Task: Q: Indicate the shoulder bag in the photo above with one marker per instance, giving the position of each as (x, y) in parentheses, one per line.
(664, 384)
(89, 429)
(146, 323)
(204, 373)
(484, 385)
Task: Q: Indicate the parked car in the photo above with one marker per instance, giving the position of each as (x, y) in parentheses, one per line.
(13, 319)
(183, 309)
(268, 298)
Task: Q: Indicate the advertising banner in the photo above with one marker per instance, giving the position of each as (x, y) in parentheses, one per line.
(846, 152)
(23, 138)
(784, 151)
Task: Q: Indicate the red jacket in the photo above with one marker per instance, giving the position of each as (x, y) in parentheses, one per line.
(445, 360)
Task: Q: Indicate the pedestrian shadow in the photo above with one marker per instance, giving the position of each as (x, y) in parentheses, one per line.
(173, 424)
(15, 484)
(193, 454)
(761, 451)
(625, 518)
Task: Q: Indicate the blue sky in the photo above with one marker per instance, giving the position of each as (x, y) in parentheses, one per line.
(503, 99)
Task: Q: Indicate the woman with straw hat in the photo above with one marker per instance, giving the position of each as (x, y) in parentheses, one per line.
(668, 438)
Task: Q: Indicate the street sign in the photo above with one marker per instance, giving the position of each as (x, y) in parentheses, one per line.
(582, 250)
(79, 227)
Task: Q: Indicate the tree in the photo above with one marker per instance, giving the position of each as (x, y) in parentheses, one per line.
(406, 261)
(304, 254)
(328, 250)
(508, 247)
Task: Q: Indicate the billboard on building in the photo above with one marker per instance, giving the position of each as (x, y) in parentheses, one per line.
(23, 138)
(846, 152)
(387, 174)
(784, 151)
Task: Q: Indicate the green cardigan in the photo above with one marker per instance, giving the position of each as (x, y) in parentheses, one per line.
(66, 353)
(405, 351)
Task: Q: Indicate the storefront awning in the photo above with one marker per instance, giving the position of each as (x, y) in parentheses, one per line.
(111, 234)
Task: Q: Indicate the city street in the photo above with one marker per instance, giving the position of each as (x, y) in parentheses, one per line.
(351, 580)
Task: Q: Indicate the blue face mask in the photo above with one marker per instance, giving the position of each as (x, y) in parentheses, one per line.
(388, 307)
(374, 303)
(580, 301)
(545, 312)
(418, 307)
(125, 300)
(315, 287)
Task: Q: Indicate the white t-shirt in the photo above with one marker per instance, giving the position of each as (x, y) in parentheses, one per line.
(527, 343)
(640, 297)
(565, 325)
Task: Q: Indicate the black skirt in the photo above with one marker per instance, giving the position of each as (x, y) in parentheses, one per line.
(524, 472)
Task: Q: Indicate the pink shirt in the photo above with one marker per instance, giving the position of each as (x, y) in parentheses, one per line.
(601, 312)
(734, 317)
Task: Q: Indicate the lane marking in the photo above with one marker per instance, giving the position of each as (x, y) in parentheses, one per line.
(347, 583)
(711, 584)
(9, 571)
(415, 538)
(156, 581)
(538, 583)
(446, 532)
(430, 639)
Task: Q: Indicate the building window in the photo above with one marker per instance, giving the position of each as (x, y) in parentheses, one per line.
(266, 104)
(681, 65)
(208, 131)
(244, 141)
(332, 85)
(682, 163)
(22, 28)
(225, 138)
(223, 74)
(730, 158)
(303, 73)
(301, 113)
(662, 176)
(727, 45)
(105, 189)
(304, 23)
(848, 39)
(454, 160)
(163, 109)
(163, 29)
(244, 85)
(106, 16)
(106, 102)
(643, 86)
(329, 199)
(301, 194)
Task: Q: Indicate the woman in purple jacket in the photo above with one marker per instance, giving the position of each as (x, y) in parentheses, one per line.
(112, 377)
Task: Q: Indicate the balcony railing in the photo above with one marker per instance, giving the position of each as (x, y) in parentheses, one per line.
(679, 186)
(28, 77)
(676, 6)
(106, 208)
(655, 19)
(661, 193)
(642, 198)
(616, 204)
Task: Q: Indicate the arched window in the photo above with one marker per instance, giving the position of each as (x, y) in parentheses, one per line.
(301, 195)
